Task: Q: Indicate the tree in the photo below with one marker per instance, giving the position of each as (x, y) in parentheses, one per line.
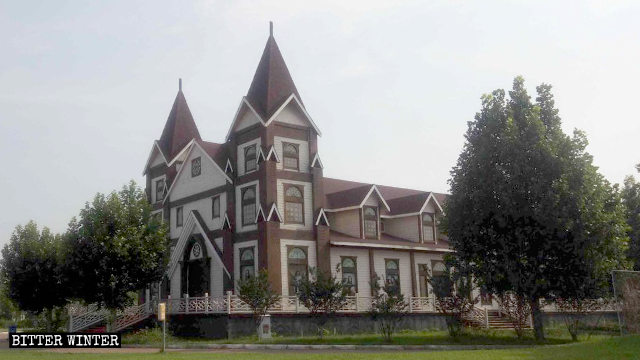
(575, 311)
(517, 308)
(387, 307)
(32, 272)
(453, 296)
(323, 294)
(257, 293)
(631, 196)
(528, 210)
(116, 247)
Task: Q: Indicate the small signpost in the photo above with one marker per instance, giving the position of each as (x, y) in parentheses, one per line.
(162, 307)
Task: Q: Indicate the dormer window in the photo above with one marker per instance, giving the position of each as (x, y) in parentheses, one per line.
(370, 222)
(291, 156)
(215, 207)
(248, 205)
(250, 162)
(427, 227)
(196, 167)
(160, 188)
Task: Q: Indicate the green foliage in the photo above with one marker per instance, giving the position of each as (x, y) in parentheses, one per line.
(453, 296)
(323, 294)
(388, 307)
(631, 197)
(528, 209)
(116, 247)
(256, 292)
(32, 272)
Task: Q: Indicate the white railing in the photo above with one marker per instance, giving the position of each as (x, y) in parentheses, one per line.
(94, 316)
(479, 316)
(232, 304)
(84, 320)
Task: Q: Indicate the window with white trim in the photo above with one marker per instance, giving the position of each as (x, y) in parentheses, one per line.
(427, 227)
(248, 205)
(297, 265)
(196, 167)
(160, 190)
(215, 207)
(293, 204)
(247, 263)
(179, 216)
(291, 156)
(370, 222)
(392, 275)
(349, 274)
(250, 158)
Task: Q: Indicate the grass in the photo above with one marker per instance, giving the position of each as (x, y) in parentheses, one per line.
(594, 349)
(153, 337)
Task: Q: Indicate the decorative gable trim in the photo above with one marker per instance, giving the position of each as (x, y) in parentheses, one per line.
(291, 98)
(186, 149)
(260, 156)
(155, 146)
(427, 201)
(274, 212)
(190, 224)
(206, 155)
(272, 155)
(226, 224)
(322, 217)
(228, 168)
(316, 162)
(375, 188)
(236, 117)
(260, 215)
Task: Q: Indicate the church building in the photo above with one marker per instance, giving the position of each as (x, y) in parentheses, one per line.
(260, 200)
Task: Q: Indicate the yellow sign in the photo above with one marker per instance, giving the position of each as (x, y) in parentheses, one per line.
(161, 311)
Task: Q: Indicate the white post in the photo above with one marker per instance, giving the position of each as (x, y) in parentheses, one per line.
(228, 302)
(297, 305)
(186, 303)
(357, 303)
(206, 302)
(410, 304)
(486, 318)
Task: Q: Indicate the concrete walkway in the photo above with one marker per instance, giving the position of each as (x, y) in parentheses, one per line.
(298, 347)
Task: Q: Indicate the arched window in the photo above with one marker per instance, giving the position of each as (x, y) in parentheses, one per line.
(370, 222)
(247, 263)
(349, 274)
(427, 227)
(293, 205)
(248, 205)
(297, 267)
(392, 273)
(291, 157)
(250, 162)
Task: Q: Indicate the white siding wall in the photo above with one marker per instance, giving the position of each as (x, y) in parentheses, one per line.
(308, 204)
(379, 257)
(237, 248)
(240, 164)
(211, 176)
(157, 159)
(247, 118)
(303, 153)
(405, 227)
(239, 226)
(203, 206)
(346, 222)
(424, 259)
(291, 114)
(175, 284)
(362, 265)
(311, 254)
(216, 272)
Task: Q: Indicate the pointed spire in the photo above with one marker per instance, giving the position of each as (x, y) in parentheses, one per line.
(272, 84)
(180, 127)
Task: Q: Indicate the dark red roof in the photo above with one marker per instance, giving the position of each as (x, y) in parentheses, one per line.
(347, 198)
(218, 152)
(408, 204)
(272, 83)
(179, 129)
(386, 239)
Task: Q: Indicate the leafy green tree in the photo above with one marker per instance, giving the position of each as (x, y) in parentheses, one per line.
(32, 272)
(453, 295)
(528, 210)
(323, 294)
(631, 196)
(257, 293)
(388, 307)
(116, 247)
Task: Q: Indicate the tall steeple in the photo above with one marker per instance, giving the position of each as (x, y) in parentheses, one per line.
(180, 127)
(272, 83)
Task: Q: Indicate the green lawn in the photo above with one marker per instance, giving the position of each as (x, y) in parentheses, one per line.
(471, 337)
(597, 349)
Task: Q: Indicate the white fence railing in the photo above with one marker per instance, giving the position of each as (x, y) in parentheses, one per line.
(231, 304)
(95, 316)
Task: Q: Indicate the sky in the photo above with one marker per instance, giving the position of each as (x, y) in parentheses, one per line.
(85, 87)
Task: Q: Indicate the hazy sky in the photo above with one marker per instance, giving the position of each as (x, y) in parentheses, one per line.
(85, 87)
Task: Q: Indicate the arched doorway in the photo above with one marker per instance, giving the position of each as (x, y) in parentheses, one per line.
(195, 268)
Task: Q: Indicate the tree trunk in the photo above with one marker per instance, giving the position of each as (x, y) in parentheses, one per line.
(536, 314)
